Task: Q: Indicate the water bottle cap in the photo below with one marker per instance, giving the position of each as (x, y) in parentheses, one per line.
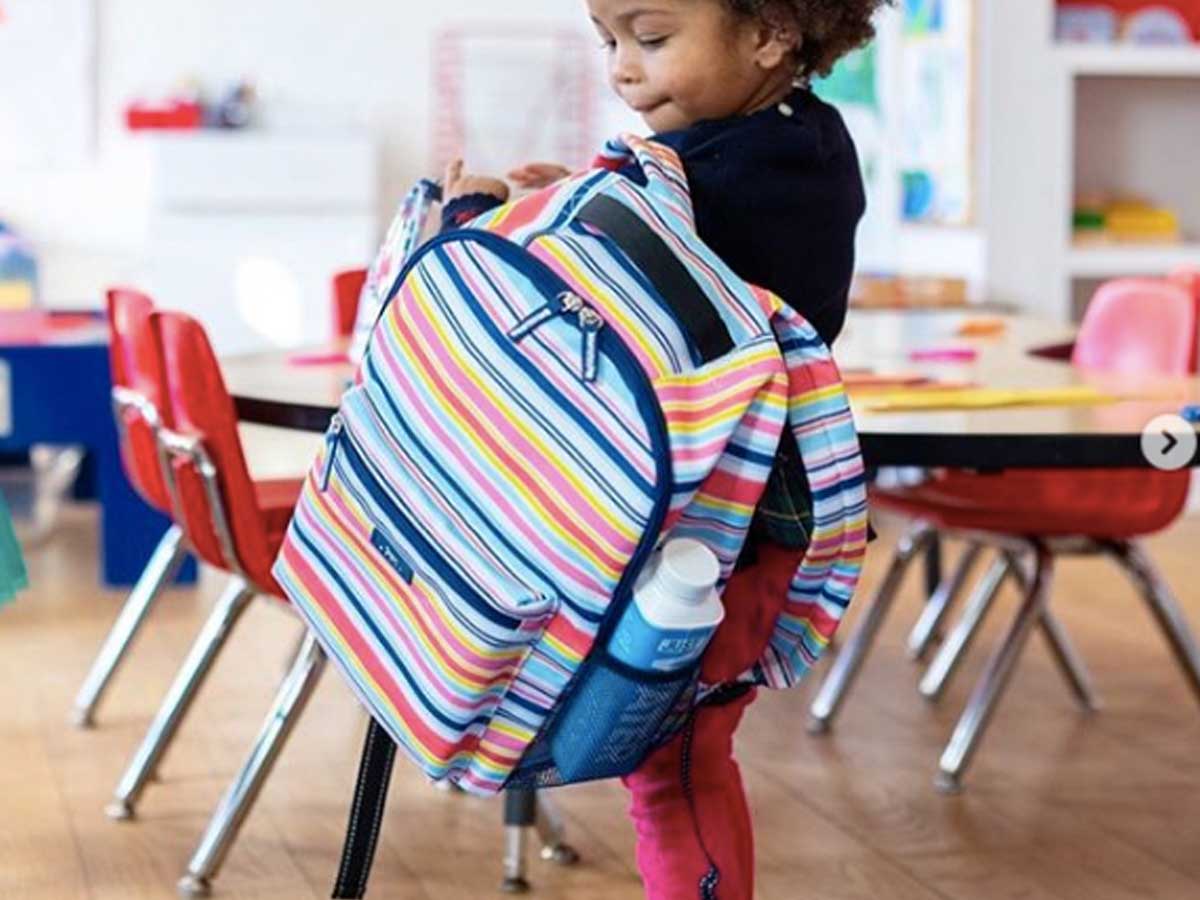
(688, 570)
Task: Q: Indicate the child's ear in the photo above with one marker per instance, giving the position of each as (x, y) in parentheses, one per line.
(779, 39)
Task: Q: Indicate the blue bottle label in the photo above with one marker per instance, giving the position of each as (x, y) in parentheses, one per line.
(651, 648)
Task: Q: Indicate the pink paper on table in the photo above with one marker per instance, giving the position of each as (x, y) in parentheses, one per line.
(944, 354)
(318, 359)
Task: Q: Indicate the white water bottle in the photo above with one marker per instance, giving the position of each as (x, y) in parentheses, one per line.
(675, 610)
(611, 721)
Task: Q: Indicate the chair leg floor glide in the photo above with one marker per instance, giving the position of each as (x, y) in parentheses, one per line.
(525, 809)
(290, 700)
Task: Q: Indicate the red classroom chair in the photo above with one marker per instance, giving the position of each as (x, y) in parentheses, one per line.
(1136, 326)
(237, 525)
(346, 288)
(138, 397)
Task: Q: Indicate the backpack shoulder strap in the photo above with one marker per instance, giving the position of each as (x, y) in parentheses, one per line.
(820, 418)
(403, 238)
(665, 175)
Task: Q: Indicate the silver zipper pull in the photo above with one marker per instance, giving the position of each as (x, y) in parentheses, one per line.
(590, 322)
(332, 438)
(567, 304)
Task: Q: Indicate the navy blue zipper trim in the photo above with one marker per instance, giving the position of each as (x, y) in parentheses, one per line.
(568, 210)
(615, 350)
(533, 372)
(399, 518)
(413, 446)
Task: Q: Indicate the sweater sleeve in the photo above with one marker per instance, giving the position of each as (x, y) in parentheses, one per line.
(461, 210)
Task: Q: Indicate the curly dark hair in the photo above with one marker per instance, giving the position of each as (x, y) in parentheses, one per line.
(830, 28)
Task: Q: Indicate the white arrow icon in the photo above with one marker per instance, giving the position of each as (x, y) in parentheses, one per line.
(1169, 443)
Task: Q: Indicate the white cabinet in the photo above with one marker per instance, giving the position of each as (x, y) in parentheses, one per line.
(246, 229)
(1064, 119)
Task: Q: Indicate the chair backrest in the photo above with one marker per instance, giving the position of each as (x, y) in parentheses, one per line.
(137, 368)
(1188, 278)
(347, 286)
(203, 412)
(1139, 326)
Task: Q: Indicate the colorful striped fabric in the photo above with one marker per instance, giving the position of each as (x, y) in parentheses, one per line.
(529, 422)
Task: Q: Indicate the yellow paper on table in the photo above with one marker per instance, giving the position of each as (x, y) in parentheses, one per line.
(988, 398)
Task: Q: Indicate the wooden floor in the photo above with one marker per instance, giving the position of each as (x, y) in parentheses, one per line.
(1058, 806)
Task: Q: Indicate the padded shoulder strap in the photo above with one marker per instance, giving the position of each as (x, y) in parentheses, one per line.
(665, 175)
(820, 418)
(403, 238)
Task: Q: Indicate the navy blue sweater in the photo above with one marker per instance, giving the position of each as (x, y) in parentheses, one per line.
(779, 197)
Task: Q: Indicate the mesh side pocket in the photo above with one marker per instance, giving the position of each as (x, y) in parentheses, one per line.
(614, 719)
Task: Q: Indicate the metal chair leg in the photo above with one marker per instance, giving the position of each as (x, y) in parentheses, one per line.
(1144, 573)
(939, 604)
(180, 696)
(978, 712)
(223, 827)
(520, 813)
(954, 648)
(845, 667)
(160, 570)
(55, 469)
(553, 832)
(1070, 663)
(933, 564)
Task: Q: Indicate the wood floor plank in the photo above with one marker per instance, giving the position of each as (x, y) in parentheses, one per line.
(1059, 805)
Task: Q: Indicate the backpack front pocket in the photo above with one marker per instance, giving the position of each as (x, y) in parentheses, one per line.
(441, 640)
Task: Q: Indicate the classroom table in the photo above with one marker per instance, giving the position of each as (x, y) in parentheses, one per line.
(270, 388)
(54, 389)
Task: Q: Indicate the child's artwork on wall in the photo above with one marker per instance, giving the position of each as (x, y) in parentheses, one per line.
(47, 82)
(937, 85)
(508, 95)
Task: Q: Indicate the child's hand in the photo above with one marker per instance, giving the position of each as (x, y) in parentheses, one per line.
(538, 175)
(459, 184)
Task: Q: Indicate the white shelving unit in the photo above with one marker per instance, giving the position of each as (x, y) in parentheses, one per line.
(1062, 118)
(1114, 261)
(1134, 62)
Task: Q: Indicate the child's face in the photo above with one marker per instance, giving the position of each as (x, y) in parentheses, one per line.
(677, 62)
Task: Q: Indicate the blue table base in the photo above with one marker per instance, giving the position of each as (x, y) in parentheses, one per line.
(60, 395)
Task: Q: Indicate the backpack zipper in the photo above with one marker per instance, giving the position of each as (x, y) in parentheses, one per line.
(398, 518)
(332, 439)
(611, 346)
(588, 320)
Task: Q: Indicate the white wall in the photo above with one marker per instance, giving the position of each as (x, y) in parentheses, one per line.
(327, 63)
(350, 64)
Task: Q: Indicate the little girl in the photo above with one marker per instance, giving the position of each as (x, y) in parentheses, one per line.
(778, 195)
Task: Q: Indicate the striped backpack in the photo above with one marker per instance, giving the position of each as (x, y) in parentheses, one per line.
(546, 397)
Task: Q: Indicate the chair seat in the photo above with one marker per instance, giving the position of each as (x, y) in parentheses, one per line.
(276, 499)
(1112, 504)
